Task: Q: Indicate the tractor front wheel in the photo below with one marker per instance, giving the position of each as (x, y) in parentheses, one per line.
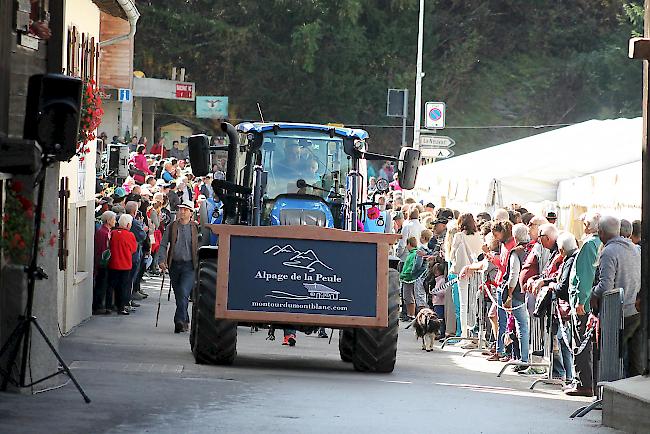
(213, 341)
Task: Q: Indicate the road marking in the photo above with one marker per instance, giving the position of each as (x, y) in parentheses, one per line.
(398, 382)
(151, 368)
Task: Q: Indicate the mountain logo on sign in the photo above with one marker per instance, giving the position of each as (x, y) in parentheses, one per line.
(304, 260)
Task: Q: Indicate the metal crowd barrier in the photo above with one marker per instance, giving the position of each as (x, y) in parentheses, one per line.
(610, 361)
(541, 341)
(475, 281)
(480, 312)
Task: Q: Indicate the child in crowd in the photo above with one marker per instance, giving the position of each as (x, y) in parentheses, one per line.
(438, 295)
(407, 277)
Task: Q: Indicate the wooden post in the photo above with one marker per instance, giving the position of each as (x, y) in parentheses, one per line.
(640, 49)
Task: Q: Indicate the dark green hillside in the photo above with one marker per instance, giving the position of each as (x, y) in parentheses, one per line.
(507, 62)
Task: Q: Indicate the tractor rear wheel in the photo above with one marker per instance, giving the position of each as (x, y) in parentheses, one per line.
(213, 341)
(375, 350)
(346, 344)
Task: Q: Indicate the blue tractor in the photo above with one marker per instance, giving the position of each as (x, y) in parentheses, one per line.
(290, 174)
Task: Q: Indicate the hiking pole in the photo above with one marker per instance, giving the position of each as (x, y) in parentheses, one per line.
(159, 297)
(169, 293)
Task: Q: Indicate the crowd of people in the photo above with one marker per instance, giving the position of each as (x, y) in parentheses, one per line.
(146, 226)
(523, 259)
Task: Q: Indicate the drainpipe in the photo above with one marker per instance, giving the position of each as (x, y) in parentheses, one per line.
(132, 15)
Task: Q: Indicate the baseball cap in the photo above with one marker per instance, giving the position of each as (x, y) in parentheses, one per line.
(120, 192)
(551, 216)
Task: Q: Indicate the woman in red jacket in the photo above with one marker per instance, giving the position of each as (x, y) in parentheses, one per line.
(122, 246)
(158, 148)
(140, 162)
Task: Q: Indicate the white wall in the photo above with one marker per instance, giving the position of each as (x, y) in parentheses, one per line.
(75, 285)
(110, 121)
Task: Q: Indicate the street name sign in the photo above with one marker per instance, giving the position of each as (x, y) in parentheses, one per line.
(431, 141)
(434, 115)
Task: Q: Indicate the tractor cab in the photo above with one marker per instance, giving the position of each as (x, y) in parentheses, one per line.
(279, 174)
(305, 170)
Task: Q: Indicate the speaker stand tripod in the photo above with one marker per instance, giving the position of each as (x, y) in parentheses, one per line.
(21, 335)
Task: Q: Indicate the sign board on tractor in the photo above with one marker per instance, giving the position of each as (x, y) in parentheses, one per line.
(296, 274)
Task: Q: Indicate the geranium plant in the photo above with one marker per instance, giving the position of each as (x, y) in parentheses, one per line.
(18, 226)
(91, 117)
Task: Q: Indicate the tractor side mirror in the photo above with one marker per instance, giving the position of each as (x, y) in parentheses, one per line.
(409, 161)
(199, 148)
(255, 141)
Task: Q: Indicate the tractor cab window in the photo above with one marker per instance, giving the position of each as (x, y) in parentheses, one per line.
(311, 156)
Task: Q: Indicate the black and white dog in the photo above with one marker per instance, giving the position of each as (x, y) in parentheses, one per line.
(427, 327)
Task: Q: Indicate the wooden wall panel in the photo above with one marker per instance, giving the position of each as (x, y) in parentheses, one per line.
(115, 61)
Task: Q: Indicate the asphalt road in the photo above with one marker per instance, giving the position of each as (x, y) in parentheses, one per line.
(144, 379)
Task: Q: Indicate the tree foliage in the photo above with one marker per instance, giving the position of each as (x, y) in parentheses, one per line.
(494, 62)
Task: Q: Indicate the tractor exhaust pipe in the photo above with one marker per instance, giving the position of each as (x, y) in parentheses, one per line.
(231, 170)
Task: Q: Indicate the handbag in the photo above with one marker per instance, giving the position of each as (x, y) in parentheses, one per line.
(543, 302)
(105, 258)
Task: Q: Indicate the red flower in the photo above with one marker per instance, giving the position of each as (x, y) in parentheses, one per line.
(26, 203)
(21, 244)
(18, 237)
(29, 213)
(5, 218)
(17, 186)
(52, 241)
(54, 221)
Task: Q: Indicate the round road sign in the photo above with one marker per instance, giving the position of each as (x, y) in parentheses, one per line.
(435, 114)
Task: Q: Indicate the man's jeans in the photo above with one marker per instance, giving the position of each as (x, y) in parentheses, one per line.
(563, 361)
(523, 328)
(181, 275)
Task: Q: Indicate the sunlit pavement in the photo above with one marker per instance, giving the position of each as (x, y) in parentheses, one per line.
(144, 379)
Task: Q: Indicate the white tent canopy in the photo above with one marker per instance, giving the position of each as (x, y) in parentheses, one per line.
(615, 191)
(530, 170)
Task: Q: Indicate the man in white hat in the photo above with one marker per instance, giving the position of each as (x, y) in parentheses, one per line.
(178, 253)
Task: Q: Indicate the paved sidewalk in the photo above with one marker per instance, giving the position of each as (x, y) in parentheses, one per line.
(144, 379)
